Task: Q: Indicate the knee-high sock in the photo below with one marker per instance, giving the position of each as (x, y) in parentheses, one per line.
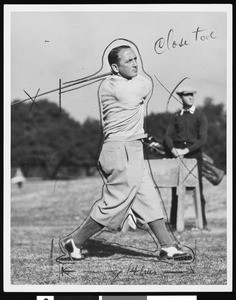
(85, 231)
(159, 229)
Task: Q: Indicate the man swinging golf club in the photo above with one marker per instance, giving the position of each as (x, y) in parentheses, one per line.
(128, 184)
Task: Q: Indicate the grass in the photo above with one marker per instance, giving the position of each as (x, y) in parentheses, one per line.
(43, 211)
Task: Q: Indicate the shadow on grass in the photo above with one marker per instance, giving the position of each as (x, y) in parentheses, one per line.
(98, 248)
(101, 249)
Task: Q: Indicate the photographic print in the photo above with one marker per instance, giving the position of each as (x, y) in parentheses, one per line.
(117, 148)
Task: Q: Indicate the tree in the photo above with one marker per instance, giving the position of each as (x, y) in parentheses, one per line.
(91, 132)
(216, 144)
(43, 139)
(46, 142)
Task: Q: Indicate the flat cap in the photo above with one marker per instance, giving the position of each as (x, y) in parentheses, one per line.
(186, 90)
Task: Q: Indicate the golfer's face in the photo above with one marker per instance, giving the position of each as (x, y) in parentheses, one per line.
(188, 99)
(127, 65)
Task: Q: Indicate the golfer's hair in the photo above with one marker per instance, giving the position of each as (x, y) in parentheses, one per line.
(113, 56)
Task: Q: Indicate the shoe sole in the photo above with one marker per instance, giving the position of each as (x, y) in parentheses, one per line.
(179, 257)
(183, 257)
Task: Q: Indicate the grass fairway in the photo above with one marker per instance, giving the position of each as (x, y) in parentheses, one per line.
(43, 211)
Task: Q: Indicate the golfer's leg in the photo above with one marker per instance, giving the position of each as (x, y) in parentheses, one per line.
(85, 231)
(158, 227)
(147, 207)
(122, 162)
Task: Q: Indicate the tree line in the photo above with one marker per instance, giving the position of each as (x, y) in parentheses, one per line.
(46, 142)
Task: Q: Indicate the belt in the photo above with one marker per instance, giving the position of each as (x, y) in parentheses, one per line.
(182, 144)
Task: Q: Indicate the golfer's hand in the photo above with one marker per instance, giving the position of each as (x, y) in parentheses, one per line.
(175, 152)
(179, 152)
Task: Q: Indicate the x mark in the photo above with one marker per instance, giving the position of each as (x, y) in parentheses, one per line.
(171, 94)
(189, 172)
(33, 99)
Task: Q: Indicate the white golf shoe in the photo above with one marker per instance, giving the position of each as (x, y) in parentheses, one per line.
(175, 253)
(68, 246)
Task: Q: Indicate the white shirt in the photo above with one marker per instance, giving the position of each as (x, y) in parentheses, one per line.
(122, 103)
(191, 110)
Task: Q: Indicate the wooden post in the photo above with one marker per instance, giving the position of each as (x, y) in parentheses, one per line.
(198, 207)
(180, 173)
(181, 198)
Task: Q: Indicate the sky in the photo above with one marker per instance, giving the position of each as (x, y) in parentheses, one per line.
(48, 43)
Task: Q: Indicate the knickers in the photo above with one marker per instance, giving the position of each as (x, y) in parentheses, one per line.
(128, 185)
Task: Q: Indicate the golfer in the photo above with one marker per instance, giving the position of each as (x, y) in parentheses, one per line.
(127, 181)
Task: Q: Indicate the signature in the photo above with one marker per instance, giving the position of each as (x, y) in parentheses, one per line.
(141, 270)
(170, 42)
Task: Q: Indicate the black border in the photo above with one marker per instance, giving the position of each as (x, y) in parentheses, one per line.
(85, 296)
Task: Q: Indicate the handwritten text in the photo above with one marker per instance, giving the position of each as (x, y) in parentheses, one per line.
(170, 42)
